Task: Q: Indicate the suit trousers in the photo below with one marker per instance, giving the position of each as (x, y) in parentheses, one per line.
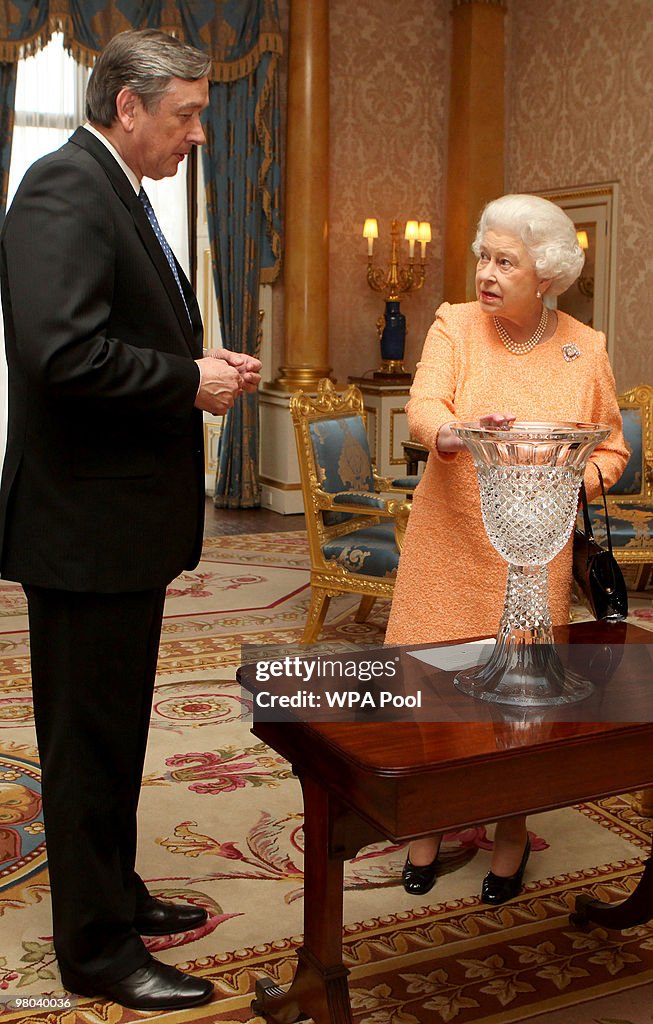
(93, 666)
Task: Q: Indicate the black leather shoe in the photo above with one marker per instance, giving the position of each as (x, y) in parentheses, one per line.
(497, 889)
(417, 881)
(158, 918)
(155, 986)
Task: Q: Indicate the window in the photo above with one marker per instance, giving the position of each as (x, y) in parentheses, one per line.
(49, 106)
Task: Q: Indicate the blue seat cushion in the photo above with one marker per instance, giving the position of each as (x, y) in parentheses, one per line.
(630, 481)
(631, 524)
(370, 551)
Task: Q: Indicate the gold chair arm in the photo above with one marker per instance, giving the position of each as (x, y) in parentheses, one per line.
(323, 500)
(326, 503)
(382, 483)
(400, 510)
(397, 509)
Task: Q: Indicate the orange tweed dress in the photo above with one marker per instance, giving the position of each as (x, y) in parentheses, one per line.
(451, 582)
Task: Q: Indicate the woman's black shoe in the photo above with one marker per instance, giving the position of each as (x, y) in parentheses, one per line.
(497, 889)
(418, 881)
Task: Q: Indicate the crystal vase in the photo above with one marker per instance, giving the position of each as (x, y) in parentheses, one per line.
(529, 476)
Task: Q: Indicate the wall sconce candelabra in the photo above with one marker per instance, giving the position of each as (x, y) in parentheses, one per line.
(393, 283)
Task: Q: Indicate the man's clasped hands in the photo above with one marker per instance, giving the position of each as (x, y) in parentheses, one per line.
(224, 375)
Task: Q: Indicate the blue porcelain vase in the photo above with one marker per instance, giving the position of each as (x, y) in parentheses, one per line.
(393, 337)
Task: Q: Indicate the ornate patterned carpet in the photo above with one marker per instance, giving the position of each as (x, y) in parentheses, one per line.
(221, 820)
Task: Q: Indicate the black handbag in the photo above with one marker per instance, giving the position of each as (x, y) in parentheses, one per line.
(595, 568)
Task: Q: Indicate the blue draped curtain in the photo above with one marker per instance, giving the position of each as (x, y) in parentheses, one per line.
(242, 176)
(242, 179)
(7, 98)
(241, 158)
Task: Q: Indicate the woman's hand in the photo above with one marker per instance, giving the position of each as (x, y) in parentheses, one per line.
(497, 420)
(449, 442)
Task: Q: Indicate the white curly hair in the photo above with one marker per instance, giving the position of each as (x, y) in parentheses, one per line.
(548, 235)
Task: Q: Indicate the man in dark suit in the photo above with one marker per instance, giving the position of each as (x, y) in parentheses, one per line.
(102, 493)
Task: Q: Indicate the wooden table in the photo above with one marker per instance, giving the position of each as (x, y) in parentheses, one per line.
(414, 453)
(363, 783)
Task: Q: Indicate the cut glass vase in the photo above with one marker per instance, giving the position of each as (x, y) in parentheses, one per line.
(529, 477)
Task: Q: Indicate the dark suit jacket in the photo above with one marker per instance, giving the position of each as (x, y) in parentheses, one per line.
(103, 482)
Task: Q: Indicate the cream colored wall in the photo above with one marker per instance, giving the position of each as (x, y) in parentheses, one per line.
(389, 78)
(580, 110)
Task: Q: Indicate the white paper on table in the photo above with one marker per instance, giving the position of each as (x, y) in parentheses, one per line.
(457, 656)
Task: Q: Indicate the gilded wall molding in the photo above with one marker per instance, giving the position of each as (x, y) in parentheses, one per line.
(580, 193)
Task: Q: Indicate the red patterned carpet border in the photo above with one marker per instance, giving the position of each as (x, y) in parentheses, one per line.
(460, 961)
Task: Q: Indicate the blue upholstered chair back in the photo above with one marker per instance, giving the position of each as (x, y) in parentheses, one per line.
(342, 459)
(630, 481)
(630, 500)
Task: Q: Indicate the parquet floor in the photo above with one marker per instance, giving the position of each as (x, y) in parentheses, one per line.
(227, 522)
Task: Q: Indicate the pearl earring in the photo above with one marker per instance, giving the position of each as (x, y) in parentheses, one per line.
(538, 294)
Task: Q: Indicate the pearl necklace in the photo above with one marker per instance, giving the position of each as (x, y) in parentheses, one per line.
(520, 348)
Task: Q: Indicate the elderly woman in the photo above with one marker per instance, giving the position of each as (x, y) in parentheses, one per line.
(506, 356)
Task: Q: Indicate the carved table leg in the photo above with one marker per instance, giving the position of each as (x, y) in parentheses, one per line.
(637, 909)
(643, 802)
(319, 988)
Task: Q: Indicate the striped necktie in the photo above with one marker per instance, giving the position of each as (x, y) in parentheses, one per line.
(161, 238)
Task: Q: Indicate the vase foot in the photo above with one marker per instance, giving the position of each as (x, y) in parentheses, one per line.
(524, 675)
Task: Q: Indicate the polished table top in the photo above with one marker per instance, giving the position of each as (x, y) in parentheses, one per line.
(499, 760)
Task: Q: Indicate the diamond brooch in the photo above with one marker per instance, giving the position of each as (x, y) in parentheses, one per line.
(570, 351)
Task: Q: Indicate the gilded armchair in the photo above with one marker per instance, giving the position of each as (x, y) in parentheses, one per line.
(630, 500)
(354, 530)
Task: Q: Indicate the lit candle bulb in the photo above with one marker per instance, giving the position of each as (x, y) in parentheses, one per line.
(424, 235)
(370, 232)
(411, 234)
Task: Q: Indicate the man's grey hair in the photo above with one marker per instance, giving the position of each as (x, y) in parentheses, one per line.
(144, 61)
(548, 235)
